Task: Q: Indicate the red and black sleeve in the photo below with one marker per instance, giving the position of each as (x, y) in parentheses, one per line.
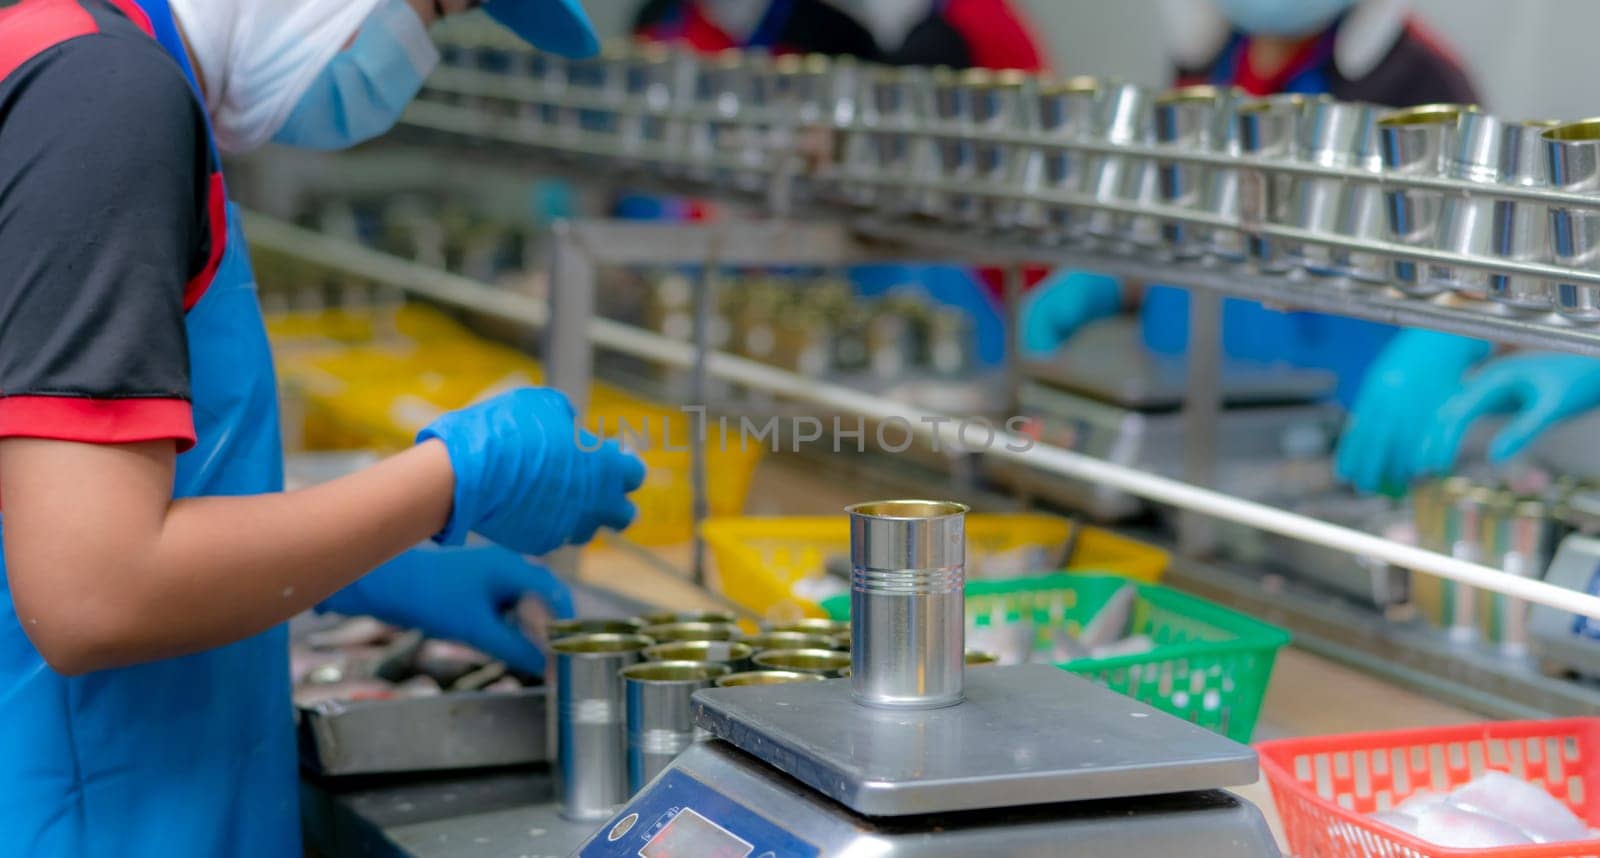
(103, 188)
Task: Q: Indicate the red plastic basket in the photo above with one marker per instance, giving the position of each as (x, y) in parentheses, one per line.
(1324, 786)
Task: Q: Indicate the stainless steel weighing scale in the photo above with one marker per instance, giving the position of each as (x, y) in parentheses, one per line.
(1105, 394)
(1035, 762)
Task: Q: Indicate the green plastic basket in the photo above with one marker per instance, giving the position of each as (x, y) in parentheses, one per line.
(1210, 665)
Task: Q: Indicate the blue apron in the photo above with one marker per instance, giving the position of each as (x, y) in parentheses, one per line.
(1250, 331)
(191, 756)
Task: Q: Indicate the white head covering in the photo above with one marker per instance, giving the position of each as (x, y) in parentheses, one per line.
(1195, 31)
(258, 57)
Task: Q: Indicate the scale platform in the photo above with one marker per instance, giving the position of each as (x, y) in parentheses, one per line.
(1036, 761)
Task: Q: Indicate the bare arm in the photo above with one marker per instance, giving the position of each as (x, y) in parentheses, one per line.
(107, 570)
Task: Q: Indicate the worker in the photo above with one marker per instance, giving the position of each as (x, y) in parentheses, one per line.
(150, 555)
(1355, 50)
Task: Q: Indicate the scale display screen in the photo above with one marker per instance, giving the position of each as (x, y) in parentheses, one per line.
(690, 835)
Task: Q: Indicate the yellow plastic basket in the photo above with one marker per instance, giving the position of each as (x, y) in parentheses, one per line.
(760, 560)
(355, 389)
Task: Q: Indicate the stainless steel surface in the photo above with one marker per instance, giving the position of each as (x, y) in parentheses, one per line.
(828, 663)
(1487, 150)
(733, 654)
(460, 730)
(907, 602)
(1573, 160)
(726, 794)
(1027, 734)
(588, 733)
(1415, 141)
(1202, 410)
(660, 723)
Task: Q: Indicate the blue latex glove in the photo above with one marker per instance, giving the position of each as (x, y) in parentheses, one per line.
(1064, 303)
(460, 594)
(1539, 390)
(1416, 374)
(528, 478)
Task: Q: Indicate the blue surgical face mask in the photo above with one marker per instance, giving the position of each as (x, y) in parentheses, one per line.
(365, 87)
(1282, 17)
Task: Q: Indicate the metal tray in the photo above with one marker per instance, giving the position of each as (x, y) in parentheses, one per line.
(459, 730)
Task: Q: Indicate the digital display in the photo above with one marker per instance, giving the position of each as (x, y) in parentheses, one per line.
(690, 835)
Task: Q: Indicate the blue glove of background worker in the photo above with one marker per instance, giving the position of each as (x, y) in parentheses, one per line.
(1409, 382)
(459, 594)
(1063, 304)
(1537, 389)
(528, 478)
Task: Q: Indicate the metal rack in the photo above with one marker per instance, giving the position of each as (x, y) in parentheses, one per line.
(675, 132)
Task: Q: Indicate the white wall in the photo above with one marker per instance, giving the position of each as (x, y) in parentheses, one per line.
(1530, 58)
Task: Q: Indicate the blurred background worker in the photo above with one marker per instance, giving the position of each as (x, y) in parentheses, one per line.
(1355, 50)
(958, 34)
(151, 558)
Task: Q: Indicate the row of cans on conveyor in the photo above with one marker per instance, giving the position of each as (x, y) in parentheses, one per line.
(954, 147)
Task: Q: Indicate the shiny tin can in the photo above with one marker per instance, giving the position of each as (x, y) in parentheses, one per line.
(660, 714)
(1268, 129)
(666, 632)
(1191, 118)
(766, 677)
(907, 602)
(1572, 153)
(734, 654)
(589, 728)
(1415, 143)
(822, 662)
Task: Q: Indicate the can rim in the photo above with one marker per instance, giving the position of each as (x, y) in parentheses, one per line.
(765, 677)
(674, 672)
(600, 644)
(908, 509)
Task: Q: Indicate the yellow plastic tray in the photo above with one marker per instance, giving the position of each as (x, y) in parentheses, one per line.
(759, 560)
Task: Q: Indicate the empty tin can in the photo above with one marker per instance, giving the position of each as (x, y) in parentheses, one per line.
(1344, 135)
(786, 639)
(997, 107)
(812, 626)
(1486, 150)
(660, 717)
(1125, 118)
(1467, 515)
(907, 602)
(666, 632)
(660, 618)
(1193, 118)
(1573, 162)
(1068, 111)
(823, 662)
(735, 655)
(593, 625)
(767, 677)
(588, 730)
(1414, 143)
(1268, 129)
(954, 95)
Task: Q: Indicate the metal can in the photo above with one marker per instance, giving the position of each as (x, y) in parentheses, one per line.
(1468, 537)
(594, 626)
(733, 654)
(661, 618)
(812, 626)
(1068, 111)
(789, 640)
(1573, 162)
(1191, 118)
(1338, 134)
(766, 677)
(1268, 128)
(660, 717)
(1125, 118)
(907, 602)
(1414, 143)
(1525, 535)
(690, 632)
(822, 662)
(589, 736)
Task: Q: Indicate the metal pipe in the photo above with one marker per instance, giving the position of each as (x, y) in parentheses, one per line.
(460, 291)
